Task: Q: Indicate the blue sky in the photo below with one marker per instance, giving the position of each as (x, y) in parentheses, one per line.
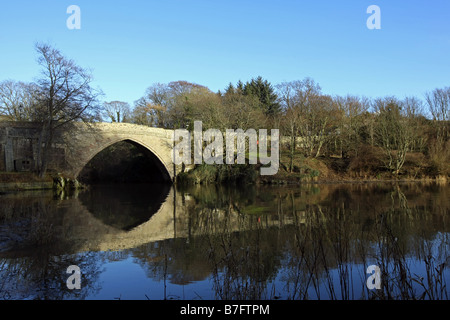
(132, 44)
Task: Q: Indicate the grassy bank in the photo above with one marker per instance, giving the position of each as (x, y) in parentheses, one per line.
(11, 181)
(366, 167)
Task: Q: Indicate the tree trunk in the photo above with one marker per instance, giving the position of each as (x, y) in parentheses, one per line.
(45, 142)
(292, 147)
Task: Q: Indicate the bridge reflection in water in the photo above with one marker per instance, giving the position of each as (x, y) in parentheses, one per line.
(127, 216)
(312, 241)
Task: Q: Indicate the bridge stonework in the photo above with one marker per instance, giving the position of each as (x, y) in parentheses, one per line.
(74, 148)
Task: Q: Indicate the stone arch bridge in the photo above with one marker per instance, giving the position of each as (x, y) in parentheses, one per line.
(74, 148)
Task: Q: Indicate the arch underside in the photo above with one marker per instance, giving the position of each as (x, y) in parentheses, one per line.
(148, 151)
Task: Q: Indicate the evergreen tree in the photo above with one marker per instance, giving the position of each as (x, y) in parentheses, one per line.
(265, 93)
(230, 89)
(240, 87)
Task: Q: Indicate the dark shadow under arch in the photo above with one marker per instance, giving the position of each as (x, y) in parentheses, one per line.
(124, 161)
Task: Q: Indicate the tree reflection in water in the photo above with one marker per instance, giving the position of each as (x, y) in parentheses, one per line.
(317, 244)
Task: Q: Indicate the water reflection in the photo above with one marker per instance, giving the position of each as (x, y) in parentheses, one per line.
(307, 242)
(124, 206)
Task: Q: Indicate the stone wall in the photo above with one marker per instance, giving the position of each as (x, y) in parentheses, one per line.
(18, 143)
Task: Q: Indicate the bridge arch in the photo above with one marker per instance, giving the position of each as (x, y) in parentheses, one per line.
(150, 150)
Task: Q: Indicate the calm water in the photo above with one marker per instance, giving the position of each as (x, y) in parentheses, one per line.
(208, 242)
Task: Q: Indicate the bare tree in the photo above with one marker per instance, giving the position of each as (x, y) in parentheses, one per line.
(438, 102)
(241, 111)
(413, 110)
(317, 121)
(65, 95)
(117, 111)
(19, 100)
(349, 111)
(288, 94)
(143, 115)
(312, 113)
(162, 103)
(392, 131)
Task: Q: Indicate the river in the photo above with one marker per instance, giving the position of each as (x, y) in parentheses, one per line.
(156, 241)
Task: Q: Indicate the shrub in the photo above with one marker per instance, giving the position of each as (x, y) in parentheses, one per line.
(368, 161)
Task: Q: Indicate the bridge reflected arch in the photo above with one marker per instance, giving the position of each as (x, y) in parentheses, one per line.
(125, 206)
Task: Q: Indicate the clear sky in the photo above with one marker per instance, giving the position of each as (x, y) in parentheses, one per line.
(132, 44)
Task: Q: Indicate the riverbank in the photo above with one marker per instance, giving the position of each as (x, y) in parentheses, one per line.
(302, 170)
(337, 170)
(15, 181)
(315, 170)
(25, 181)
